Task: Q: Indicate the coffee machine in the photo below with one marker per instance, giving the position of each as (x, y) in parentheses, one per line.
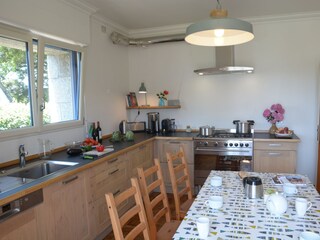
(153, 122)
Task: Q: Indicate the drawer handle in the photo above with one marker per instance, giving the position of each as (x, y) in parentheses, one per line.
(113, 172)
(113, 160)
(274, 154)
(275, 144)
(70, 180)
(116, 193)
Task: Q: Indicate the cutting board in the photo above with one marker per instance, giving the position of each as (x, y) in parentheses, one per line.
(96, 153)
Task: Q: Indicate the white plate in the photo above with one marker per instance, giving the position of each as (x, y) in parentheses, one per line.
(283, 135)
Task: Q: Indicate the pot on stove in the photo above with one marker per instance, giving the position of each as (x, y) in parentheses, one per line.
(206, 131)
(243, 127)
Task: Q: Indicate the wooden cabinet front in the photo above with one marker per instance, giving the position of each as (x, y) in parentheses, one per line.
(275, 156)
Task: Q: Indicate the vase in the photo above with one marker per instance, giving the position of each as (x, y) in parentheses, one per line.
(273, 128)
(162, 102)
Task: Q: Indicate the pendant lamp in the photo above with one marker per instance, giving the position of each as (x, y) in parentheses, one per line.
(219, 30)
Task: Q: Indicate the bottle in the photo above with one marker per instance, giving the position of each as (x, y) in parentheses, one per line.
(94, 132)
(99, 133)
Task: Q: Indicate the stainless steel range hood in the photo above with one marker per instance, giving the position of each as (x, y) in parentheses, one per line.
(224, 63)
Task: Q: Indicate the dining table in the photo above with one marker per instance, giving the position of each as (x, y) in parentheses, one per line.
(244, 218)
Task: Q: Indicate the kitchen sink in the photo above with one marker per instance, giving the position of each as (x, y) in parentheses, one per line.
(40, 169)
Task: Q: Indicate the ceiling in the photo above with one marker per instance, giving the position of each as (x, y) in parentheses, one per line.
(142, 14)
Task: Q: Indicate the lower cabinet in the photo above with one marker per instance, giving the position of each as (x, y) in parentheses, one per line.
(275, 156)
(162, 146)
(20, 227)
(64, 211)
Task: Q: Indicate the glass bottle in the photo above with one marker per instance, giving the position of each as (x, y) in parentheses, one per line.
(99, 133)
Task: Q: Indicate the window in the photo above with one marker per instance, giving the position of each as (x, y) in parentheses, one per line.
(40, 83)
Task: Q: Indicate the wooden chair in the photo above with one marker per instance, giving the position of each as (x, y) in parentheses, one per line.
(157, 206)
(138, 209)
(180, 180)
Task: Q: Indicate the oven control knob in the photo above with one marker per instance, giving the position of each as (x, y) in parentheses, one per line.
(236, 144)
(241, 144)
(230, 144)
(206, 143)
(247, 144)
(226, 144)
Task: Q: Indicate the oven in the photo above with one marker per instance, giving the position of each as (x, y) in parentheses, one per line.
(225, 151)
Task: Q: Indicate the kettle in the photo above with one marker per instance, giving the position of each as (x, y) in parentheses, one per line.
(253, 187)
(123, 127)
(277, 204)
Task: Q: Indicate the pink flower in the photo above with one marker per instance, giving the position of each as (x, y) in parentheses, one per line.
(275, 113)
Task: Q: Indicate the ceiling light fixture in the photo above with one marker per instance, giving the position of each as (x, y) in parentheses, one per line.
(220, 30)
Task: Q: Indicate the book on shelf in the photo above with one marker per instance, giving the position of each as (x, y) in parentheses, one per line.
(133, 99)
(287, 178)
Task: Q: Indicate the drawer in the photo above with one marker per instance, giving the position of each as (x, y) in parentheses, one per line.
(275, 145)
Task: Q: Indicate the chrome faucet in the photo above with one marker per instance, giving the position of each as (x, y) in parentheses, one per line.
(22, 156)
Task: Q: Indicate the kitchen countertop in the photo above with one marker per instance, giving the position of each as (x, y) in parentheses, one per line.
(119, 148)
(263, 136)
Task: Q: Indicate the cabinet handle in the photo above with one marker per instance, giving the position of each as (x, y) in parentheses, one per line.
(9, 214)
(116, 193)
(275, 145)
(70, 180)
(113, 160)
(174, 142)
(273, 154)
(114, 171)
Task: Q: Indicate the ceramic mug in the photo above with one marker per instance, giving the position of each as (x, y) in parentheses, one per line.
(216, 181)
(289, 188)
(203, 225)
(215, 202)
(309, 236)
(302, 206)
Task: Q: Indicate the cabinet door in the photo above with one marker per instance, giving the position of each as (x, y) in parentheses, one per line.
(110, 176)
(20, 227)
(64, 213)
(275, 161)
(165, 146)
(140, 157)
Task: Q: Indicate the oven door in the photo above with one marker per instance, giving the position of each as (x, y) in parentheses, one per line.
(204, 163)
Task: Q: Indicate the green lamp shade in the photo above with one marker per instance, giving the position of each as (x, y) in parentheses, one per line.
(142, 88)
(219, 32)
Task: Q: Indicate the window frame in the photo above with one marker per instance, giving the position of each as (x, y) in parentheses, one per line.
(37, 92)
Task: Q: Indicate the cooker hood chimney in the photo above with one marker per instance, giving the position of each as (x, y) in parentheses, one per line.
(224, 63)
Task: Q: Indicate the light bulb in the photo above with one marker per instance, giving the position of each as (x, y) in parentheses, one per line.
(218, 32)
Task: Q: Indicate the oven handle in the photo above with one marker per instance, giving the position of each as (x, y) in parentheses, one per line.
(222, 150)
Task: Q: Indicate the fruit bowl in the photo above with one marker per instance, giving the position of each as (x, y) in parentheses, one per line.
(284, 133)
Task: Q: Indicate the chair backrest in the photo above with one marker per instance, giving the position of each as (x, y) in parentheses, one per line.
(138, 209)
(180, 178)
(156, 203)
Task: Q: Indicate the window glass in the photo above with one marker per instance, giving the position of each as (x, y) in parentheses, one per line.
(61, 86)
(15, 98)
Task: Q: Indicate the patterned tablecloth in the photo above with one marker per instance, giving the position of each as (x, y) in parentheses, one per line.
(242, 218)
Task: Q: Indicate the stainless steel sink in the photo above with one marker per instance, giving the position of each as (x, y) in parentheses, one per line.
(40, 169)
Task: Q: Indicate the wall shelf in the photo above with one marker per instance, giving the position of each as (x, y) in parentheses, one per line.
(155, 107)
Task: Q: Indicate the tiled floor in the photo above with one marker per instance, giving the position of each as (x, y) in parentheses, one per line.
(132, 223)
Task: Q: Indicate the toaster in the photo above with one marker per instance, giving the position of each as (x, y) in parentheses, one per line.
(136, 126)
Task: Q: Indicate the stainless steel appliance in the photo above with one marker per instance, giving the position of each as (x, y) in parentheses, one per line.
(125, 126)
(224, 150)
(153, 122)
(168, 125)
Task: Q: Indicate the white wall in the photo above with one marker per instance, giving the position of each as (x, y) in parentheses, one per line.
(286, 57)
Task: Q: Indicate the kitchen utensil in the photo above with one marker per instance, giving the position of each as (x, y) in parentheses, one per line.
(216, 181)
(136, 126)
(45, 149)
(253, 187)
(123, 127)
(206, 131)
(203, 225)
(277, 204)
(243, 127)
(307, 235)
(289, 188)
(302, 206)
(215, 202)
